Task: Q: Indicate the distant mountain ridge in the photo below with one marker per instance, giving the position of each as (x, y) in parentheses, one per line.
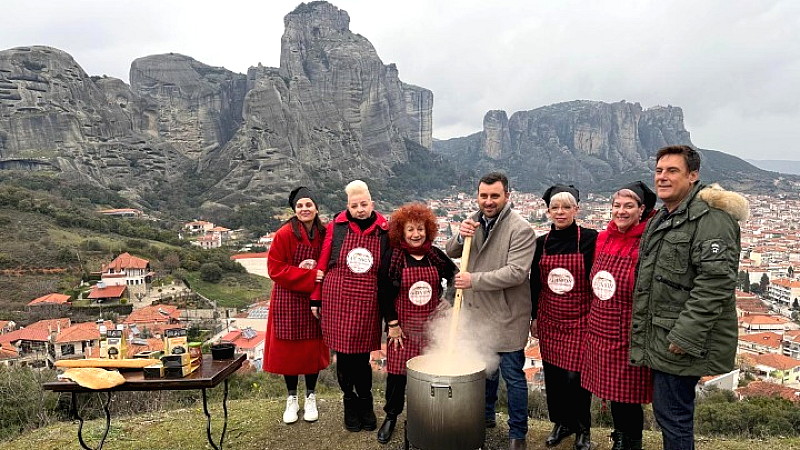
(594, 145)
(186, 134)
(777, 165)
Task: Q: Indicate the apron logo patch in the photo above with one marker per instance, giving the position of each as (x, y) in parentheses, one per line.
(359, 260)
(560, 280)
(308, 264)
(603, 285)
(420, 293)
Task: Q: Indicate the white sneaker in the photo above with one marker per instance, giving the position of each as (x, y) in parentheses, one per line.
(310, 413)
(292, 406)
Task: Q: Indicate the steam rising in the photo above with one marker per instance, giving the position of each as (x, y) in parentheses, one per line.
(474, 343)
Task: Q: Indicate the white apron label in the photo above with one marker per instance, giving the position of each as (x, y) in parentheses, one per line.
(308, 264)
(560, 280)
(420, 293)
(359, 260)
(603, 285)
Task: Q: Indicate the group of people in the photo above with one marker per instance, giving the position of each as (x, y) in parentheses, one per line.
(633, 314)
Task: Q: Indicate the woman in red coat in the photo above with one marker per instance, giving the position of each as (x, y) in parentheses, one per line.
(294, 344)
(606, 371)
(415, 279)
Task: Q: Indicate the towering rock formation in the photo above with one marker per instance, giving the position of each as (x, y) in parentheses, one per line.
(332, 112)
(582, 142)
(53, 116)
(193, 106)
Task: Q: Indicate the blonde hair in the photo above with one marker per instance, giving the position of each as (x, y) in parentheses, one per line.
(356, 187)
(564, 197)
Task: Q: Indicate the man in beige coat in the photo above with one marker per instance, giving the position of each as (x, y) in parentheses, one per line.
(496, 286)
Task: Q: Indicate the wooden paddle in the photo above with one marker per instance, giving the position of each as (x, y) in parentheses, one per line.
(459, 294)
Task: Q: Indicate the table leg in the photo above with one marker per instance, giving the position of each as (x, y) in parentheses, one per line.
(225, 418)
(80, 421)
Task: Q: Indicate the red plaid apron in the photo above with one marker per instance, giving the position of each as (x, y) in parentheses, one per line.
(350, 315)
(562, 316)
(607, 372)
(413, 315)
(289, 310)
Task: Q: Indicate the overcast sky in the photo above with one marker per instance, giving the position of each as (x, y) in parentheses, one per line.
(732, 65)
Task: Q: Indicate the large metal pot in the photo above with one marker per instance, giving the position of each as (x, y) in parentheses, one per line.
(446, 409)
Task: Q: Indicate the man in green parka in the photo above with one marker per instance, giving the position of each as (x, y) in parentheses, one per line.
(684, 313)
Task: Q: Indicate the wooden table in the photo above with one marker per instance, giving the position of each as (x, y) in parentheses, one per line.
(209, 375)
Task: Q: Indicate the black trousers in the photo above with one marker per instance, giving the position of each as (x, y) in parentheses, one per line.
(568, 403)
(354, 374)
(395, 395)
(628, 418)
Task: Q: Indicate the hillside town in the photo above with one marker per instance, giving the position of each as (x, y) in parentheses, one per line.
(768, 299)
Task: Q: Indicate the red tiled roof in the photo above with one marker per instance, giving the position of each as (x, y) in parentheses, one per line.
(107, 292)
(240, 342)
(767, 389)
(153, 345)
(249, 255)
(533, 352)
(761, 319)
(54, 299)
(126, 261)
(767, 339)
(151, 314)
(8, 351)
(26, 334)
(531, 372)
(84, 331)
(51, 324)
(791, 335)
(776, 361)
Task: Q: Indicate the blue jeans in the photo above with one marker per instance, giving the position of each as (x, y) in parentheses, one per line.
(511, 368)
(673, 407)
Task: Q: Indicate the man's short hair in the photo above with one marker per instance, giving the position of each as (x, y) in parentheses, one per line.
(494, 177)
(689, 154)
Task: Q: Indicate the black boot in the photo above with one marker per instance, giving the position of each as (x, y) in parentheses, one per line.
(583, 440)
(633, 443)
(619, 440)
(386, 430)
(624, 441)
(557, 435)
(351, 415)
(366, 414)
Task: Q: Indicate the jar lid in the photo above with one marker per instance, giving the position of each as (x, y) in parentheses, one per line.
(195, 344)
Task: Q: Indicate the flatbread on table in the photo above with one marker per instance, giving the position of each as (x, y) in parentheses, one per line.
(94, 377)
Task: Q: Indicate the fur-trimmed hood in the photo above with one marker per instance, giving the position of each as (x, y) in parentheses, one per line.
(732, 203)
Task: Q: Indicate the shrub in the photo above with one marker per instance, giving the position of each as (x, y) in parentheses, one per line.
(24, 404)
(211, 272)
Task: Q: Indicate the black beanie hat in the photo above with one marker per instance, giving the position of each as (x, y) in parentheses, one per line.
(553, 190)
(646, 195)
(297, 194)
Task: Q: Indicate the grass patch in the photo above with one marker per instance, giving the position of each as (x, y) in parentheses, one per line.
(235, 290)
(255, 424)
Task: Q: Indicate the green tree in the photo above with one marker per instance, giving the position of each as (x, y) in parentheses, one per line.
(211, 272)
(764, 284)
(743, 281)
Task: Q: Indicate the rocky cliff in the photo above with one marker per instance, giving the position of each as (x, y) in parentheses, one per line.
(55, 117)
(195, 107)
(331, 112)
(594, 145)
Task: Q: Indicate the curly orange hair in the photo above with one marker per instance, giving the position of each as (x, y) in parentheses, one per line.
(411, 212)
